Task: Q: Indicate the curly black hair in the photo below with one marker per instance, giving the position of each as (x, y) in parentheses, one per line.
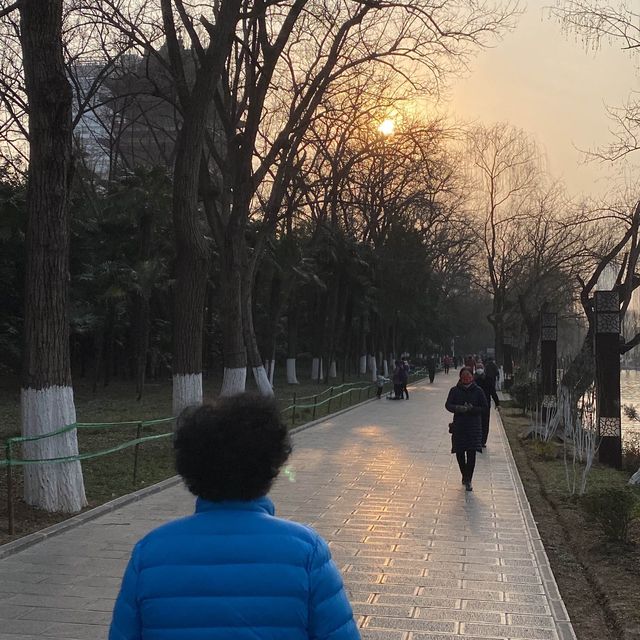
(233, 449)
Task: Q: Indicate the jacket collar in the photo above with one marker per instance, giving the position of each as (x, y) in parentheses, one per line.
(263, 504)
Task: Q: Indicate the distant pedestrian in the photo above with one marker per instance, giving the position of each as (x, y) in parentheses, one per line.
(488, 386)
(399, 379)
(407, 369)
(491, 370)
(467, 402)
(431, 368)
(446, 364)
(232, 570)
(380, 382)
(470, 362)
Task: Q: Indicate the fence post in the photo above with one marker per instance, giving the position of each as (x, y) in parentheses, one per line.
(293, 411)
(315, 400)
(359, 394)
(329, 403)
(135, 453)
(10, 514)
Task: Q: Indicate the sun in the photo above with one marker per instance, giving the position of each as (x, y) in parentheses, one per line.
(387, 127)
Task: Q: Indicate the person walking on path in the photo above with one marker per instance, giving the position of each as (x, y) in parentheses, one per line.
(399, 379)
(470, 362)
(467, 402)
(491, 371)
(446, 363)
(407, 370)
(431, 368)
(232, 570)
(488, 385)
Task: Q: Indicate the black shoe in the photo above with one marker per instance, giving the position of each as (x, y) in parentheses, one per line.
(467, 486)
(464, 481)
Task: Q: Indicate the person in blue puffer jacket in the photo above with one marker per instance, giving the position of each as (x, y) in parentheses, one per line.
(232, 570)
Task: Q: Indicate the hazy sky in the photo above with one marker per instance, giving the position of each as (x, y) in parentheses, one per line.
(546, 82)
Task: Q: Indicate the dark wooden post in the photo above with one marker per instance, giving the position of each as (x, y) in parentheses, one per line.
(549, 361)
(508, 361)
(607, 350)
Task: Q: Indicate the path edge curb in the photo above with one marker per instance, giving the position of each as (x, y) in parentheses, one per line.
(556, 603)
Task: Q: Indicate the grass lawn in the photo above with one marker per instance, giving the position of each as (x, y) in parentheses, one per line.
(599, 580)
(110, 476)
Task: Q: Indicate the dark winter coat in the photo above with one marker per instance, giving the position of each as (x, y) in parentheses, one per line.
(491, 370)
(488, 385)
(467, 422)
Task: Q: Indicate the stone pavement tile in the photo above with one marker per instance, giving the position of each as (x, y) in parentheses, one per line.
(68, 615)
(419, 601)
(390, 611)
(384, 634)
(25, 627)
(8, 611)
(460, 615)
(68, 631)
(410, 624)
(506, 607)
(508, 631)
(439, 636)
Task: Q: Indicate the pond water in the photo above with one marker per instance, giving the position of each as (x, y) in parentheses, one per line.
(630, 394)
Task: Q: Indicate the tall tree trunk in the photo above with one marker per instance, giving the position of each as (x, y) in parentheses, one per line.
(234, 350)
(292, 342)
(253, 353)
(47, 394)
(192, 258)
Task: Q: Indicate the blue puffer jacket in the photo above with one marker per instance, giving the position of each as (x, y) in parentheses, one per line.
(232, 571)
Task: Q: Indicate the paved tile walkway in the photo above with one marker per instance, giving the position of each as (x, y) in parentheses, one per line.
(422, 559)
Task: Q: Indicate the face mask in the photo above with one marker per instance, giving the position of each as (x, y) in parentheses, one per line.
(479, 371)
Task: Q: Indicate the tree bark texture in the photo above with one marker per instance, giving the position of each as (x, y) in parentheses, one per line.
(47, 396)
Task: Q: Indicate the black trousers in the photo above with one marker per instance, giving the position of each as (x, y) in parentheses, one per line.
(397, 391)
(405, 390)
(485, 426)
(467, 463)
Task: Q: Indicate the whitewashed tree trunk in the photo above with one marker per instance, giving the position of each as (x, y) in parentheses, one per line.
(385, 365)
(271, 369)
(373, 367)
(321, 376)
(187, 391)
(234, 381)
(291, 371)
(262, 381)
(333, 369)
(363, 364)
(57, 486)
(315, 368)
(635, 478)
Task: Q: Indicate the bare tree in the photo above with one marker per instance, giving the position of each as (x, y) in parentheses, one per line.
(597, 21)
(505, 170)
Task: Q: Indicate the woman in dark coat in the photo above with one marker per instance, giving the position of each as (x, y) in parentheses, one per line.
(467, 402)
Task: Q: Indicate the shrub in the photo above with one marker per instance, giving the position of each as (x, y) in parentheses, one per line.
(544, 450)
(524, 393)
(613, 509)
